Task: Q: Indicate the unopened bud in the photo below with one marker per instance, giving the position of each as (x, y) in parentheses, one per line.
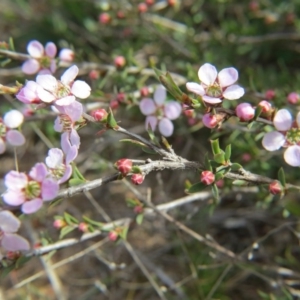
(113, 236)
(254, 6)
(246, 157)
(245, 112)
(59, 223)
(121, 97)
(124, 165)
(66, 55)
(104, 18)
(209, 121)
(13, 255)
(99, 114)
(220, 183)
(94, 75)
(270, 94)
(265, 105)
(138, 209)
(120, 14)
(137, 179)
(114, 104)
(120, 61)
(144, 91)
(172, 2)
(83, 227)
(293, 98)
(207, 177)
(149, 2)
(142, 8)
(275, 187)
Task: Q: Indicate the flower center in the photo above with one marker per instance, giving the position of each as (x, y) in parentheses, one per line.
(214, 91)
(58, 172)
(2, 130)
(293, 136)
(45, 62)
(32, 190)
(62, 90)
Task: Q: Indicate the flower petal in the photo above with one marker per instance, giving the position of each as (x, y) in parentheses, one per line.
(227, 77)
(81, 89)
(32, 206)
(273, 140)
(147, 106)
(292, 155)
(30, 66)
(211, 100)
(195, 88)
(15, 138)
(233, 92)
(74, 110)
(160, 95)
(283, 120)
(50, 189)
(15, 181)
(48, 82)
(172, 110)
(66, 176)
(50, 49)
(69, 75)
(35, 49)
(13, 119)
(165, 127)
(9, 222)
(65, 101)
(152, 122)
(14, 242)
(45, 96)
(38, 172)
(14, 198)
(207, 74)
(54, 158)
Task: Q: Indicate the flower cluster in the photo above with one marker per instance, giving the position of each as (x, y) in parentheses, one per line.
(11, 120)
(216, 86)
(43, 59)
(160, 112)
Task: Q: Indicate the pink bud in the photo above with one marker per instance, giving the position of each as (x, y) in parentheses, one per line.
(66, 55)
(265, 105)
(120, 61)
(104, 18)
(207, 177)
(254, 6)
(120, 14)
(59, 224)
(293, 98)
(246, 157)
(99, 114)
(137, 179)
(112, 235)
(245, 112)
(13, 255)
(83, 227)
(275, 187)
(220, 183)
(190, 113)
(94, 74)
(142, 7)
(138, 209)
(114, 104)
(121, 97)
(124, 165)
(270, 94)
(172, 2)
(149, 2)
(144, 91)
(209, 121)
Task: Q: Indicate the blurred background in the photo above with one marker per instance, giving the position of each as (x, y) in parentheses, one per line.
(261, 40)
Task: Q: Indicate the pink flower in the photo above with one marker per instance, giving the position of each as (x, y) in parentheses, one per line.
(216, 86)
(159, 112)
(293, 98)
(30, 190)
(63, 92)
(9, 240)
(209, 120)
(28, 93)
(58, 163)
(288, 136)
(42, 58)
(207, 177)
(11, 120)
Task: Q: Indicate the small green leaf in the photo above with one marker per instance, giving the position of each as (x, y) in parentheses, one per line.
(239, 182)
(22, 260)
(75, 181)
(215, 192)
(136, 170)
(76, 174)
(258, 111)
(139, 219)
(197, 187)
(228, 153)
(144, 147)
(235, 167)
(215, 146)
(64, 231)
(90, 221)
(70, 219)
(111, 122)
(219, 176)
(220, 157)
(152, 136)
(207, 163)
(281, 177)
(124, 232)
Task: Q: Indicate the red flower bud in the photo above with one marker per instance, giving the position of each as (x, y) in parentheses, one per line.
(245, 112)
(207, 177)
(137, 179)
(104, 18)
(121, 97)
(113, 236)
(293, 98)
(144, 91)
(59, 224)
(124, 165)
(120, 14)
(99, 114)
(275, 187)
(149, 2)
(209, 121)
(114, 104)
(265, 105)
(83, 227)
(270, 94)
(138, 209)
(120, 61)
(94, 75)
(142, 7)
